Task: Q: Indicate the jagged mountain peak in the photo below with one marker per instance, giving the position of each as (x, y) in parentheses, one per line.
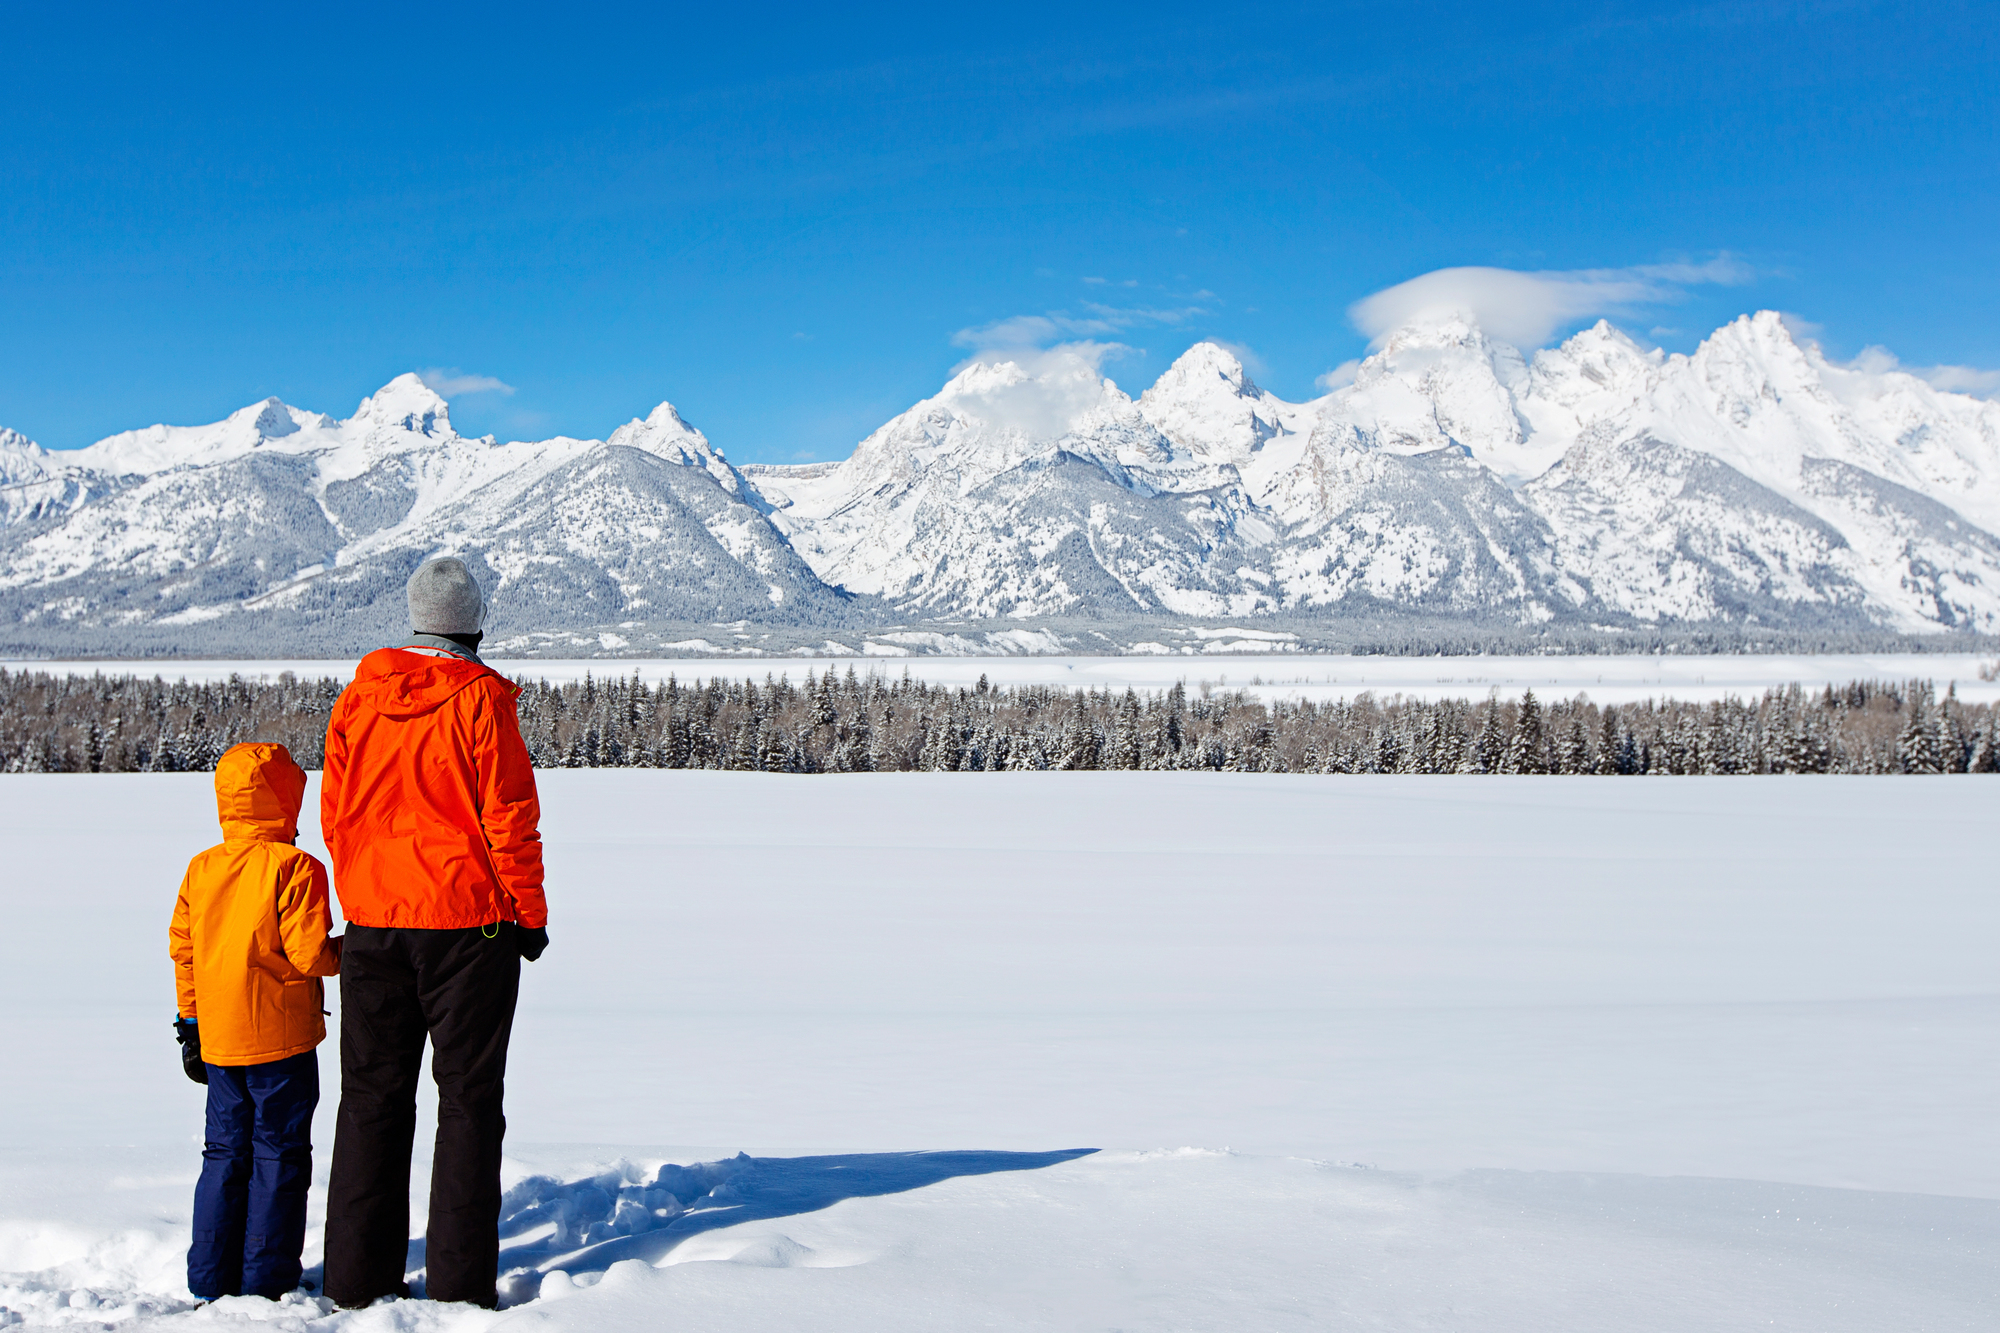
(1757, 365)
(1442, 344)
(406, 403)
(664, 423)
(1436, 329)
(984, 376)
(273, 419)
(1435, 384)
(21, 459)
(1754, 375)
(1207, 405)
(1595, 373)
(1606, 340)
(665, 433)
(667, 416)
(1206, 373)
(1763, 339)
(1199, 366)
(14, 440)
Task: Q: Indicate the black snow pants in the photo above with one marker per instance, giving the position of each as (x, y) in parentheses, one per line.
(396, 986)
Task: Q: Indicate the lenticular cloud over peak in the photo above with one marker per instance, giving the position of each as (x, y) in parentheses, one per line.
(1039, 393)
(1527, 308)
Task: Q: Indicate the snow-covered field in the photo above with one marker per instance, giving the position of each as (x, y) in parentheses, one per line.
(1615, 680)
(1377, 1052)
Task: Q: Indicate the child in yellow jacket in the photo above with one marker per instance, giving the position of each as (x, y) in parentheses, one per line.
(249, 943)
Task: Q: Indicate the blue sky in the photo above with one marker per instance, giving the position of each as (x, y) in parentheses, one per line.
(793, 224)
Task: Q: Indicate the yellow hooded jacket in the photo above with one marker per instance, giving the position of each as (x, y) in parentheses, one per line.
(249, 935)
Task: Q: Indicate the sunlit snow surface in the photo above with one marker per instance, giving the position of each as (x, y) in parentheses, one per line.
(1376, 1052)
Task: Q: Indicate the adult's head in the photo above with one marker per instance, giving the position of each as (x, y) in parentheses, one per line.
(444, 599)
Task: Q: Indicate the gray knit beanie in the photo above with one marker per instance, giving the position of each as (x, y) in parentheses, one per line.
(444, 599)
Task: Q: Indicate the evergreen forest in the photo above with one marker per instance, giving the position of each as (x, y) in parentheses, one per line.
(850, 723)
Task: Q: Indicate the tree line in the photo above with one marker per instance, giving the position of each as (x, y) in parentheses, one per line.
(849, 723)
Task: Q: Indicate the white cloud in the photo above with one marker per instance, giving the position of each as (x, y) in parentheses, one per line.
(1526, 309)
(1029, 331)
(1961, 379)
(1339, 377)
(452, 382)
(1041, 392)
(1951, 379)
(1802, 329)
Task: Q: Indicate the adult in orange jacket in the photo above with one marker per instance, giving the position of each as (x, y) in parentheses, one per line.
(249, 944)
(429, 809)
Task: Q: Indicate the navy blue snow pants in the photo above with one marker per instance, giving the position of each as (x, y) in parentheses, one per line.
(250, 1204)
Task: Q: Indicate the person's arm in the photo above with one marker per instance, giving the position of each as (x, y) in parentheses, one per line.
(333, 772)
(304, 918)
(180, 947)
(510, 813)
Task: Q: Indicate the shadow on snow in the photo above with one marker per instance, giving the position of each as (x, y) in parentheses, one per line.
(588, 1224)
(583, 1226)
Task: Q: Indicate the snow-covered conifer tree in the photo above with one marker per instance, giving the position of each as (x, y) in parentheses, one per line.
(1573, 750)
(1525, 747)
(1985, 756)
(1491, 747)
(1917, 749)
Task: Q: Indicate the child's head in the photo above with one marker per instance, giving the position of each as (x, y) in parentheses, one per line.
(258, 791)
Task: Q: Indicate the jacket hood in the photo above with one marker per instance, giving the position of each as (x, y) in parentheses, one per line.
(258, 790)
(396, 682)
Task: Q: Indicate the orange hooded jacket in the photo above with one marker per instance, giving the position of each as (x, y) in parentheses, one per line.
(428, 804)
(249, 935)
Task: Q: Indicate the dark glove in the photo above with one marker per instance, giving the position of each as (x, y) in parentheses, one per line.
(188, 1034)
(531, 942)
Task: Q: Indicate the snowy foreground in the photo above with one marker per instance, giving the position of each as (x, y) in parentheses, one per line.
(1375, 1052)
(1610, 679)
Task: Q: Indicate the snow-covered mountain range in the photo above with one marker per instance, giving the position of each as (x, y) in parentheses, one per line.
(1595, 484)
(1751, 481)
(293, 522)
